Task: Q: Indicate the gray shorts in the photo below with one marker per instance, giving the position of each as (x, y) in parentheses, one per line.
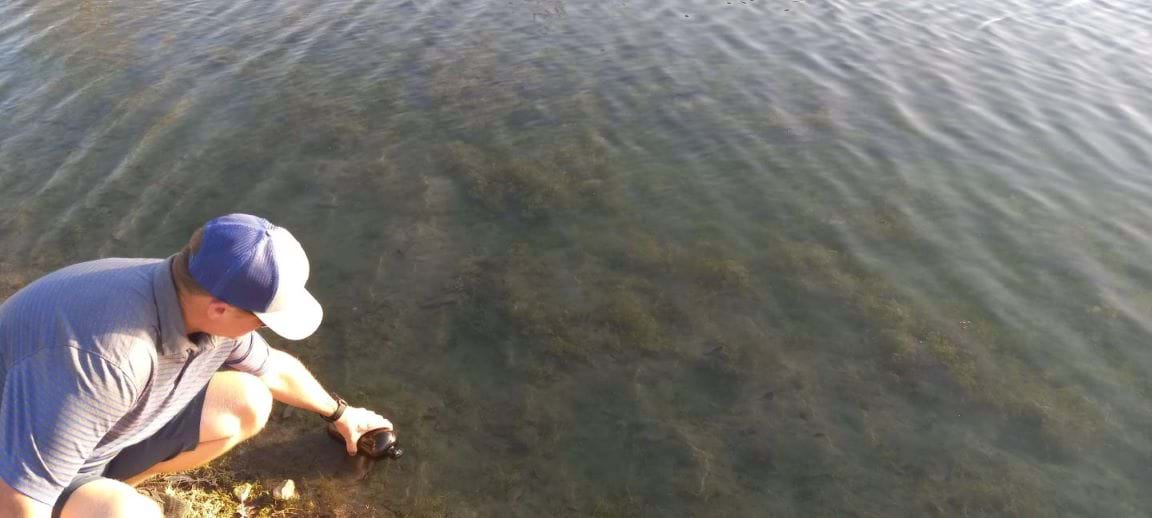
(181, 434)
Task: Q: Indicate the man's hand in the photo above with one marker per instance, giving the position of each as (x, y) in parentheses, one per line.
(356, 422)
(292, 384)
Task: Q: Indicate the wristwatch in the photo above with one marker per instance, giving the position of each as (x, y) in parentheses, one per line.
(340, 406)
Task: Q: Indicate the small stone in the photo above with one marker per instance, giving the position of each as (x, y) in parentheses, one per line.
(175, 506)
(171, 502)
(286, 490)
(242, 492)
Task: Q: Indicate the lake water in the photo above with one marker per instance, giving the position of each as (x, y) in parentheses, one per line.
(645, 257)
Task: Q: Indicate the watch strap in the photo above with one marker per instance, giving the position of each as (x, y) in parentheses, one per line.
(341, 405)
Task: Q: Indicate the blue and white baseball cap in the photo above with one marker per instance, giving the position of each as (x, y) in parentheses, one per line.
(250, 263)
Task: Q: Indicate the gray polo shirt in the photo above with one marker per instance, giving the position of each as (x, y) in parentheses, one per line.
(95, 358)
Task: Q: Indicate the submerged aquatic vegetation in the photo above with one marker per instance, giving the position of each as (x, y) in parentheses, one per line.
(571, 314)
(731, 328)
(536, 187)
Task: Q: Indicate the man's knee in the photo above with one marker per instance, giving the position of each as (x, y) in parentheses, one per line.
(111, 498)
(238, 404)
(257, 405)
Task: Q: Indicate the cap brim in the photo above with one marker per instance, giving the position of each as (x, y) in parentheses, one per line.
(298, 320)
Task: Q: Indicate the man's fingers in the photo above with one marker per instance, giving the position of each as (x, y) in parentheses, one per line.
(350, 442)
(373, 421)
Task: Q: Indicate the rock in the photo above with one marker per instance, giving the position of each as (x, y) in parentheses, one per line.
(285, 490)
(287, 411)
(242, 492)
(175, 506)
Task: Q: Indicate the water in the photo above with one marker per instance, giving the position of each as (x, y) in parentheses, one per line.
(707, 258)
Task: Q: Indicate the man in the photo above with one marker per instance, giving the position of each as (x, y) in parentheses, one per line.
(119, 369)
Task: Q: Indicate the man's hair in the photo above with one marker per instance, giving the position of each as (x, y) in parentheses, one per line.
(185, 283)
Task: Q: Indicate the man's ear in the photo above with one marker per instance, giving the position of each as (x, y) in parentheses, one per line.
(217, 309)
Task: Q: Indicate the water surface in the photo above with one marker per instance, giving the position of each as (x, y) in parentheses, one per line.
(638, 257)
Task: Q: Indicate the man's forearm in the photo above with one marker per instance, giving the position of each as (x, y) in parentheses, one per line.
(292, 384)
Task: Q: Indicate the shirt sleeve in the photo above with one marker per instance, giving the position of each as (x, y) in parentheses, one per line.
(56, 406)
(250, 355)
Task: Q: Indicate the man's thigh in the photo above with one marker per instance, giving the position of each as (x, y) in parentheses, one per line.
(234, 404)
(180, 434)
(109, 498)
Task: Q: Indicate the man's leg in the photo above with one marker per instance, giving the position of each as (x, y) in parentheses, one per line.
(236, 408)
(111, 498)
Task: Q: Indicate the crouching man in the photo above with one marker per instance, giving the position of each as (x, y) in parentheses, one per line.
(115, 370)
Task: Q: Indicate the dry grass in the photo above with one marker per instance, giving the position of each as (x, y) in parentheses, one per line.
(211, 492)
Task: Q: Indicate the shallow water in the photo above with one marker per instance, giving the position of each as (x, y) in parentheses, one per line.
(709, 258)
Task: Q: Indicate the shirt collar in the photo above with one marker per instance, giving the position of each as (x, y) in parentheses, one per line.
(173, 334)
